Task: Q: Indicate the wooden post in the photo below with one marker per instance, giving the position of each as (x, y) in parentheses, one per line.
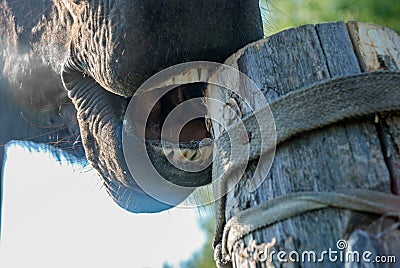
(352, 154)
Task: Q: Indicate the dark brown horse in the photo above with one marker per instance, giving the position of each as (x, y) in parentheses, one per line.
(105, 50)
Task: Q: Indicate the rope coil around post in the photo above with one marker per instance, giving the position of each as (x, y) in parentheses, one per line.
(336, 99)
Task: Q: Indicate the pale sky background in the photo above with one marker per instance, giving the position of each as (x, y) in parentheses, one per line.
(60, 216)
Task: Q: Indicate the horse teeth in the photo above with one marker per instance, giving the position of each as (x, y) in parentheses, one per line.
(190, 154)
(206, 152)
(179, 155)
(196, 155)
(167, 151)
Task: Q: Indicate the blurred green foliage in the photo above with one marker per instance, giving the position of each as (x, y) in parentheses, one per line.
(204, 258)
(285, 14)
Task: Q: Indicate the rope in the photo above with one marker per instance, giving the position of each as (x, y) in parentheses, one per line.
(294, 204)
(334, 100)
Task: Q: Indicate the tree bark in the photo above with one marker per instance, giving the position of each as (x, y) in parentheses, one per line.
(352, 154)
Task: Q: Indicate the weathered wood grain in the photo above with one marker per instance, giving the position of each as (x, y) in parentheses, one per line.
(378, 48)
(346, 155)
